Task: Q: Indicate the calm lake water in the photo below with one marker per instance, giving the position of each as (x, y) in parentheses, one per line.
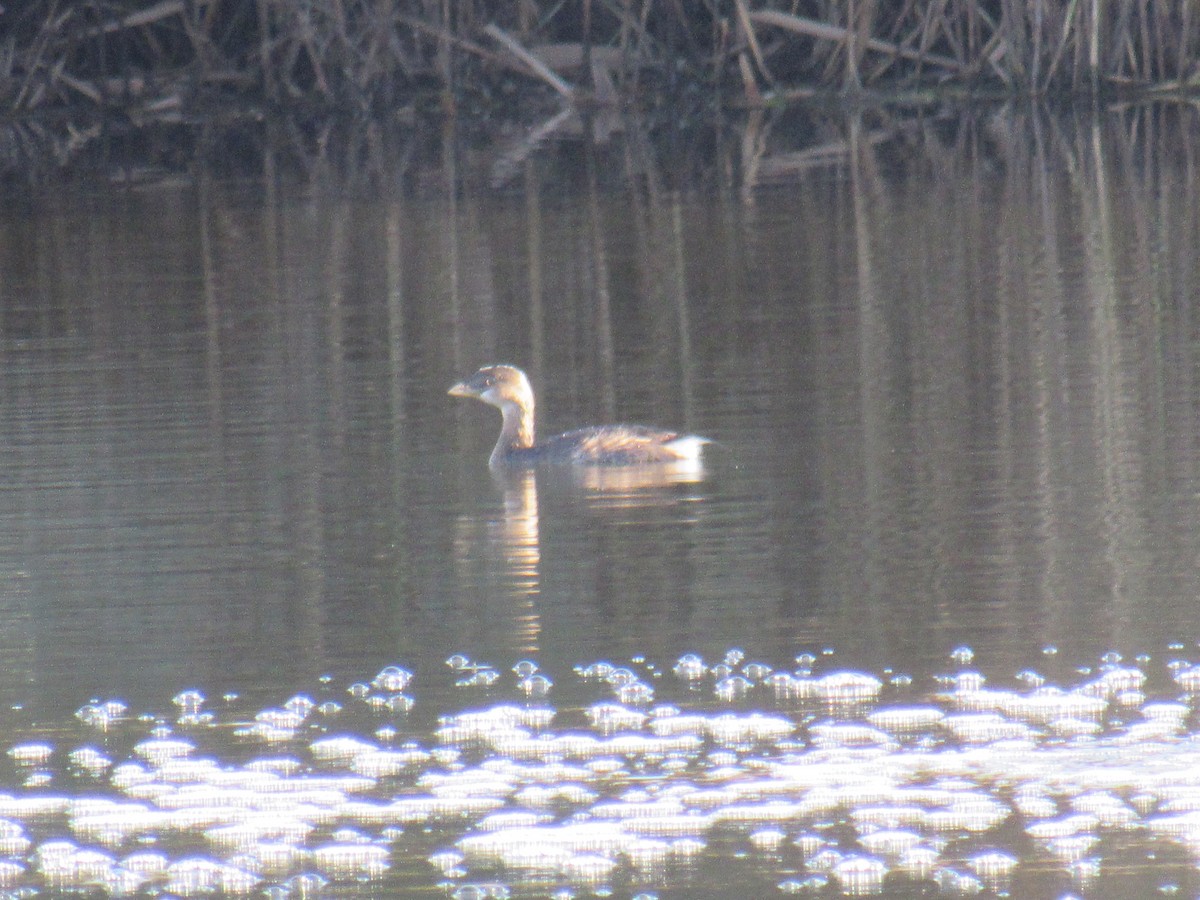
(952, 371)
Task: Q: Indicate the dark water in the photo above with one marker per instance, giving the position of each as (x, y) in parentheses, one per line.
(954, 392)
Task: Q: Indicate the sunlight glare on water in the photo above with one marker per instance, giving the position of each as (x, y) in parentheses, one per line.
(884, 791)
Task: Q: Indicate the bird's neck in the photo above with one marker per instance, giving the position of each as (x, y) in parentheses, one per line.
(517, 431)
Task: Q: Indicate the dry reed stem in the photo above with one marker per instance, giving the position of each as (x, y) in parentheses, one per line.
(156, 13)
(535, 65)
(79, 85)
(453, 40)
(811, 28)
(753, 95)
(747, 28)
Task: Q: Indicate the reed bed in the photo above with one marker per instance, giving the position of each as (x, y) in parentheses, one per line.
(170, 58)
(130, 87)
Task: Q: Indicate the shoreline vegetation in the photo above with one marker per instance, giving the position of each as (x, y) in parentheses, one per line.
(73, 74)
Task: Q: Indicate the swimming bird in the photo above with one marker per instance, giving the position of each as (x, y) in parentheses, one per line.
(507, 388)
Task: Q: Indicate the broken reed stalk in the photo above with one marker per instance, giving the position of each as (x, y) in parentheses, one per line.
(812, 28)
(155, 13)
(535, 65)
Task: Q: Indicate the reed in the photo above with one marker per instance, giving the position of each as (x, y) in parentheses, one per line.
(167, 58)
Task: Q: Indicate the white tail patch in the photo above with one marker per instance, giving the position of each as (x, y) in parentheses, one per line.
(687, 446)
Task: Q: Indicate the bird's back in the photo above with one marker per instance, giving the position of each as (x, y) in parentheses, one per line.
(622, 445)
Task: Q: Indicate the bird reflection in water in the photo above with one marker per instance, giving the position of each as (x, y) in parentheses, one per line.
(594, 487)
(644, 485)
(513, 547)
(518, 537)
(502, 549)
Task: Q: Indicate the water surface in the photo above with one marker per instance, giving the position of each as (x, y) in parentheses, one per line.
(952, 385)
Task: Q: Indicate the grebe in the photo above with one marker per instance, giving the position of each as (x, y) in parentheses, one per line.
(507, 388)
